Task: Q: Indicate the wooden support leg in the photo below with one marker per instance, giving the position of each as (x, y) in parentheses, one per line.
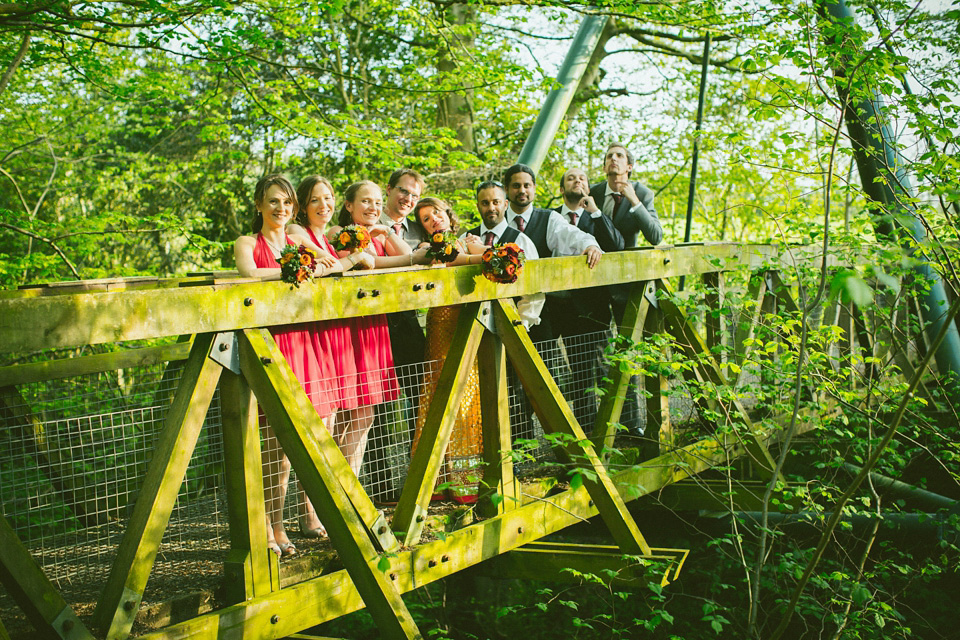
(615, 389)
(121, 596)
(716, 320)
(250, 569)
(557, 417)
(323, 471)
(707, 370)
(426, 461)
(749, 320)
(498, 488)
(39, 599)
(659, 436)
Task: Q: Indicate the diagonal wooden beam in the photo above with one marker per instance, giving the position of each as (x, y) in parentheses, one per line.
(36, 595)
(707, 370)
(118, 604)
(441, 416)
(557, 417)
(323, 471)
(499, 490)
(615, 388)
(250, 569)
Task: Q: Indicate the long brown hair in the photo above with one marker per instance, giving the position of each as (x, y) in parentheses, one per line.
(260, 191)
(304, 191)
(439, 205)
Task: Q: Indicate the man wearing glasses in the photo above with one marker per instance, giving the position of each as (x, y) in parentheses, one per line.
(403, 193)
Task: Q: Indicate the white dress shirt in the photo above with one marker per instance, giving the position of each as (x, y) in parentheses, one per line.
(529, 306)
(563, 238)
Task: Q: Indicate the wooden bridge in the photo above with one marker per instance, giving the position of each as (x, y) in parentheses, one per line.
(115, 463)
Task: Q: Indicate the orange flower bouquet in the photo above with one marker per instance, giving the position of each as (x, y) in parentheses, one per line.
(503, 263)
(443, 246)
(297, 264)
(352, 238)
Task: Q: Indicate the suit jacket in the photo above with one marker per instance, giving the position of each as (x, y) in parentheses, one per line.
(629, 223)
(601, 228)
(415, 233)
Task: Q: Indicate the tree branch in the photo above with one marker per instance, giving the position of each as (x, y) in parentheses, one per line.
(53, 245)
(17, 59)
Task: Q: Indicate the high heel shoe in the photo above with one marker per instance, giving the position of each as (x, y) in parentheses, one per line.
(307, 532)
(275, 549)
(287, 549)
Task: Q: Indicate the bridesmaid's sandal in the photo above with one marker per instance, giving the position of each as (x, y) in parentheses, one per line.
(287, 550)
(274, 548)
(311, 532)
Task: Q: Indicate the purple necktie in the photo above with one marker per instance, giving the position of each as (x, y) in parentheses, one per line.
(519, 222)
(489, 238)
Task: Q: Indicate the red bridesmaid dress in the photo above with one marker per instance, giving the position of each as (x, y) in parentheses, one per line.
(296, 343)
(334, 342)
(376, 378)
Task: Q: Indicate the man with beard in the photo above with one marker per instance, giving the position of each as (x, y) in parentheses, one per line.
(582, 317)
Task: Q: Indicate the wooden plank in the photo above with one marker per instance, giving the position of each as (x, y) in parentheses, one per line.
(557, 562)
(248, 570)
(32, 323)
(747, 326)
(308, 445)
(716, 319)
(36, 595)
(118, 604)
(557, 417)
(435, 435)
(499, 489)
(615, 388)
(85, 365)
(659, 433)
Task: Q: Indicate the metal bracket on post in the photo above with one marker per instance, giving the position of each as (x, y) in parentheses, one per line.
(486, 317)
(416, 523)
(68, 626)
(382, 533)
(225, 352)
(650, 293)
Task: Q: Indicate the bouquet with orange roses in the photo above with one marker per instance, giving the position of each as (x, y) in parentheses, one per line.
(503, 263)
(297, 264)
(352, 238)
(443, 246)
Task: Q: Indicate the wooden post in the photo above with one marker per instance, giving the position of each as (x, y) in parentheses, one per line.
(39, 599)
(123, 591)
(498, 488)
(250, 569)
(426, 461)
(615, 389)
(321, 469)
(658, 435)
(557, 417)
(716, 319)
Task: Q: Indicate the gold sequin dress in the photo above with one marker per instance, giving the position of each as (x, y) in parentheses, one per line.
(462, 463)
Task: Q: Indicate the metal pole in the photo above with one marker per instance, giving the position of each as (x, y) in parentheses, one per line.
(696, 147)
(558, 100)
(886, 181)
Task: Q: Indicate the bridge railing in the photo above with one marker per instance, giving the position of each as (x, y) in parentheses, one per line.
(111, 455)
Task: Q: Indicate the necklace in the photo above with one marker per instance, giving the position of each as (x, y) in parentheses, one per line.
(277, 251)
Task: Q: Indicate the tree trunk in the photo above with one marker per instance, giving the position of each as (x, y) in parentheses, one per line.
(455, 108)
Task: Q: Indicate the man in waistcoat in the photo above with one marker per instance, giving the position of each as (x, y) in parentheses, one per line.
(581, 318)
(629, 205)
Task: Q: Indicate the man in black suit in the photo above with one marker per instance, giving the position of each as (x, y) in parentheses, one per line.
(629, 205)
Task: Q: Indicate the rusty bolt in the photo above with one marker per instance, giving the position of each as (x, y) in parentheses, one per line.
(590, 503)
(266, 361)
(666, 261)
(430, 286)
(224, 346)
(519, 529)
(393, 576)
(248, 302)
(432, 563)
(361, 294)
(130, 605)
(445, 558)
(517, 323)
(375, 293)
(382, 530)
(67, 626)
(419, 518)
(274, 619)
(417, 287)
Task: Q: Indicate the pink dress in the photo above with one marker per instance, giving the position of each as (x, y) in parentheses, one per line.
(296, 343)
(333, 340)
(376, 379)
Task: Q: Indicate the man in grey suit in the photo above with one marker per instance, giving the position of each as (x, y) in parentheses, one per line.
(403, 193)
(629, 204)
